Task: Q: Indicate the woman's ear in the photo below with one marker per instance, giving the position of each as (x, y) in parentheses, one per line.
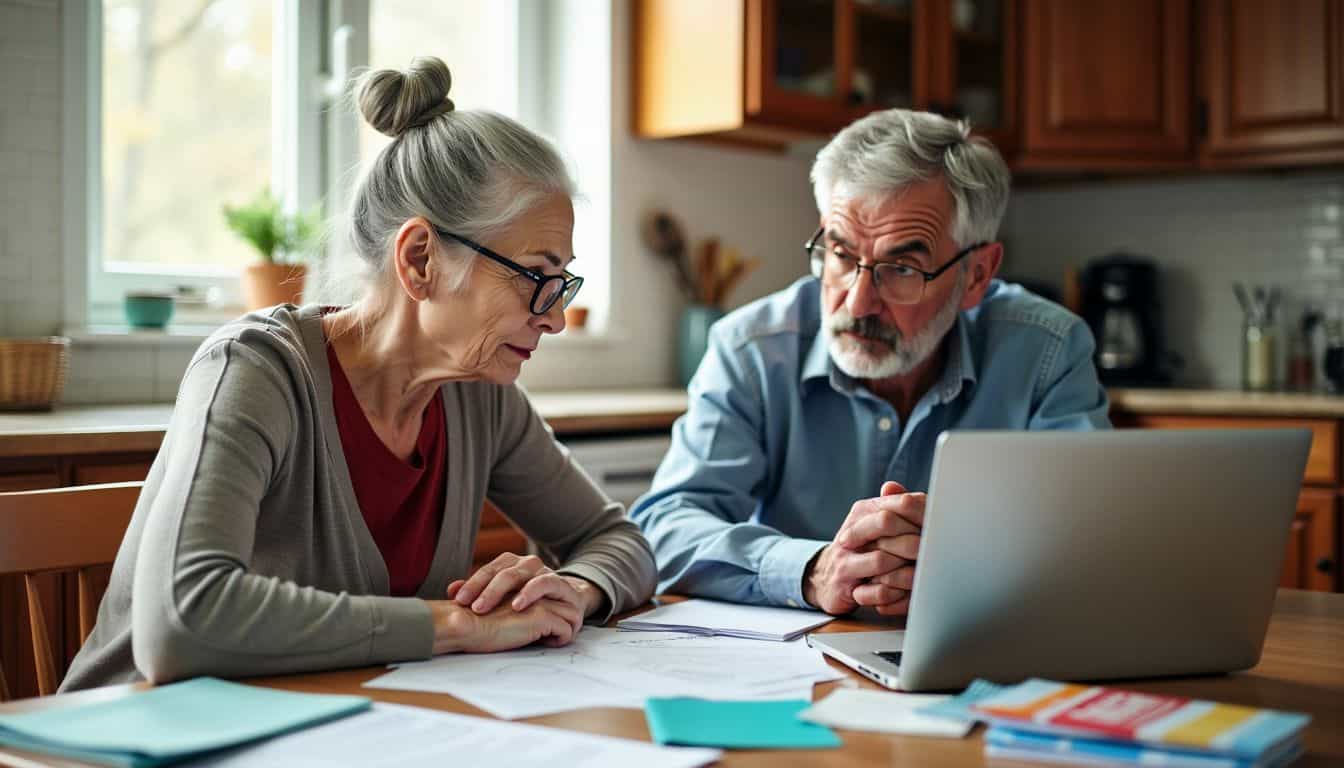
(412, 258)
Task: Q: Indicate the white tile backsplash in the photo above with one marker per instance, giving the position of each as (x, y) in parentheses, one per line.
(30, 168)
(1204, 232)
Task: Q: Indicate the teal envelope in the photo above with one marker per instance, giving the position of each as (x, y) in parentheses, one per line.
(735, 724)
(170, 723)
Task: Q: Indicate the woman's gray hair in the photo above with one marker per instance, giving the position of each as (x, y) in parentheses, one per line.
(472, 173)
(886, 151)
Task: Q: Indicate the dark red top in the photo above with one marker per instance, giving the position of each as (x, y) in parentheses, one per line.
(402, 502)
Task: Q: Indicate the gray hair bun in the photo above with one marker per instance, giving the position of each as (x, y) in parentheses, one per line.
(393, 100)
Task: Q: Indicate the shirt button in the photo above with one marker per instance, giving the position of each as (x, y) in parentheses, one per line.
(793, 603)
(884, 424)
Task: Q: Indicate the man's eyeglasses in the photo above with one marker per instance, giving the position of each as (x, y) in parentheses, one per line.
(895, 283)
(549, 288)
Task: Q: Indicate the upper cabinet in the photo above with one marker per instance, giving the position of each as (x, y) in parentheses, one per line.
(1106, 85)
(1057, 85)
(774, 71)
(1272, 80)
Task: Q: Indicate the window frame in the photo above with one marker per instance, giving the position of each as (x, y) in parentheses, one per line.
(316, 45)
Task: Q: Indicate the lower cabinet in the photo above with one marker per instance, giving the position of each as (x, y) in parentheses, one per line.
(1312, 560)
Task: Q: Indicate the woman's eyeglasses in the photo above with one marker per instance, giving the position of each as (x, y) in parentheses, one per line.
(549, 288)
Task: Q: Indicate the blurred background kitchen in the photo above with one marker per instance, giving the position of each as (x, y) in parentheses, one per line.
(1164, 152)
(1201, 138)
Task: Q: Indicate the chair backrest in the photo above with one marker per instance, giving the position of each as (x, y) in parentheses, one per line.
(61, 529)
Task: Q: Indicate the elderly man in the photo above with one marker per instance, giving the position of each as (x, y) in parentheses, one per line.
(797, 476)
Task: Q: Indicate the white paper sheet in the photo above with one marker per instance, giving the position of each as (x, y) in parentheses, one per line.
(865, 710)
(392, 736)
(610, 668)
(712, 617)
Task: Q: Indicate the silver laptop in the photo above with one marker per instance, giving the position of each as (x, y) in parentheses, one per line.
(1091, 556)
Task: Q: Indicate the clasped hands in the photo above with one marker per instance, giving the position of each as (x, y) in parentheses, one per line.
(512, 601)
(871, 561)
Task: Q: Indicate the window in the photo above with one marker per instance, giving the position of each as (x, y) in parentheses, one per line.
(190, 106)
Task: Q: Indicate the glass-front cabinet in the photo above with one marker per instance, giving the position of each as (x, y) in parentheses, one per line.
(980, 77)
(825, 63)
(810, 67)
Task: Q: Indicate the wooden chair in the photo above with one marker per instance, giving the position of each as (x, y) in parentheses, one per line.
(61, 529)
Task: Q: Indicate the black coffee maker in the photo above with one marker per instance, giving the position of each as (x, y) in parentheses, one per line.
(1121, 306)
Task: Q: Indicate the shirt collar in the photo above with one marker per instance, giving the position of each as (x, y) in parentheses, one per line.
(960, 365)
(817, 364)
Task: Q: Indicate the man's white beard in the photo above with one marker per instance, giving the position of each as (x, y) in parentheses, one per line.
(897, 355)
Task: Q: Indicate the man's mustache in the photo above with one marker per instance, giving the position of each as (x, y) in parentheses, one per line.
(869, 328)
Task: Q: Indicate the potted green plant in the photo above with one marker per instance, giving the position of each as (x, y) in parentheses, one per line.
(281, 239)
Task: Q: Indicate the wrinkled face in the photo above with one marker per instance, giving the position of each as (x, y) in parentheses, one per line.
(869, 337)
(486, 328)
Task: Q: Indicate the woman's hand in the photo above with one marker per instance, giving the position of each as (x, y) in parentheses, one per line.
(458, 629)
(526, 579)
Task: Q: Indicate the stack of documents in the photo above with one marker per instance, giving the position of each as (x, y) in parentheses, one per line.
(708, 617)
(171, 723)
(1045, 720)
(611, 668)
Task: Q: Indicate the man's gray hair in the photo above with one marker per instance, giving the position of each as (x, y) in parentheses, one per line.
(887, 151)
(472, 173)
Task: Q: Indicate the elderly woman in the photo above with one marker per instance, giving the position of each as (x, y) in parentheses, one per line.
(315, 501)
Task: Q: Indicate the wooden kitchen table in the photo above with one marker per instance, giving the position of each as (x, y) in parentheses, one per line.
(1302, 669)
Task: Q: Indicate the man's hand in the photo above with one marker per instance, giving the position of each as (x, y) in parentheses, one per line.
(871, 560)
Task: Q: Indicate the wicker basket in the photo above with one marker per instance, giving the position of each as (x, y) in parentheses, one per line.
(32, 372)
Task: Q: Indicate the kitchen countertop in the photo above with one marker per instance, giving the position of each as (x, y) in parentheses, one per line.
(1226, 402)
(83, 429)
(77, 429)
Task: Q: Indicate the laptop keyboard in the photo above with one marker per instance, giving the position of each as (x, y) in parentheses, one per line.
(893, 656)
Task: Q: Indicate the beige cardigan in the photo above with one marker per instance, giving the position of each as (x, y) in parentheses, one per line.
(248, 555)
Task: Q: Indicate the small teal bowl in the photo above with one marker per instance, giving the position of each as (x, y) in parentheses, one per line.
(148, 310)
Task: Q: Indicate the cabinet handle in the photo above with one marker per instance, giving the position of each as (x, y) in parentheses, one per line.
(1325, 565)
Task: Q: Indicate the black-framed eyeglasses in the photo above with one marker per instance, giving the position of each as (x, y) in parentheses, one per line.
(896, 283)
(549, 288)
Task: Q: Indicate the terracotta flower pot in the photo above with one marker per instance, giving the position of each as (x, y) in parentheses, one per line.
(266, 284)
(576, 318)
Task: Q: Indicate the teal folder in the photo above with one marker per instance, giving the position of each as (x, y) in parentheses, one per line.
(170, 723)
(735, 724)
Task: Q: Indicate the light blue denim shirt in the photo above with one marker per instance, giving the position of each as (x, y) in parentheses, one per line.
(778, 443)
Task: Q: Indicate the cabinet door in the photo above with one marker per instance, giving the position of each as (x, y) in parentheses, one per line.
(113, 472)
(1106, 85)
(1312, 561)
(973, 62)
(1272, 73)
(819, 64)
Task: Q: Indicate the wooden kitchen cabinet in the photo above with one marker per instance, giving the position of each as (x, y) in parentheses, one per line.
(1106, 85)
(770, 72)
(1272, 82)
(1312, 560)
